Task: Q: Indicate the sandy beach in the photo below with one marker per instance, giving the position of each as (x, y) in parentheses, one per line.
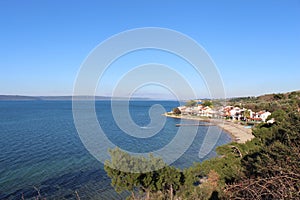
(238, 132)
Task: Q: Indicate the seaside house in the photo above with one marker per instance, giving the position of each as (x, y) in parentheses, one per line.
(182, 110)
(235, 113)
(206, 112)
(226, 111)
(265, 115)
(259, 116)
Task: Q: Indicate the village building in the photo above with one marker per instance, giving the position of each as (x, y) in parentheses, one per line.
(228, 112)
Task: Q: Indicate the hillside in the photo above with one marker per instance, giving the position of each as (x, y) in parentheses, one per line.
(269, 102)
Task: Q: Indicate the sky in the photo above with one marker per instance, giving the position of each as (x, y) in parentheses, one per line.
(254, 44)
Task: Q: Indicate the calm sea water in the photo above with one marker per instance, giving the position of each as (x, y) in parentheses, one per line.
(40, 149)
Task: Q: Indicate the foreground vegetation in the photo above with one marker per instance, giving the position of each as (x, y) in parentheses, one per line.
(266, 167)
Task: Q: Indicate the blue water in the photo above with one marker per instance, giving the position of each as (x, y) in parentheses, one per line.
(40, 148)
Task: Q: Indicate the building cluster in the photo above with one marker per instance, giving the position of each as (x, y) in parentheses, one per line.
(227, 112)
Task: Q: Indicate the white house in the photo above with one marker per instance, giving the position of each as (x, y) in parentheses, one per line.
(265, 115)
(206, 112)
(236, 113)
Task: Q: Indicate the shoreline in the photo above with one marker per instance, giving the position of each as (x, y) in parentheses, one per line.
(238, 132)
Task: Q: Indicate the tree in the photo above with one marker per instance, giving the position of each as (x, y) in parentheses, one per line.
(279, 115)
(294, 95)
(207, 103)
(176, 111)
(169, 179)
(191, 103)
(141, 175)
(247, 114)
(121, 180)
(278, 96)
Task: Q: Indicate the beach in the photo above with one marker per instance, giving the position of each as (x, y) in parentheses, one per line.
(238, 132)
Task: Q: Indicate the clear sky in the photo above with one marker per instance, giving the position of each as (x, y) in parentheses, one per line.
(254, 43)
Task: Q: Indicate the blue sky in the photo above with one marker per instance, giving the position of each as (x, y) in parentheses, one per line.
(255, 44)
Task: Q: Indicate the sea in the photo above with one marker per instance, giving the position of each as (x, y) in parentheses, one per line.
(42, 155)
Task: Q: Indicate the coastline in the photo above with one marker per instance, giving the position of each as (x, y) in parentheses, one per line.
(238, 132)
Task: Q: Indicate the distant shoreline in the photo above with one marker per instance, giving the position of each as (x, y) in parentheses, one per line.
(71, 98)
(238, 132)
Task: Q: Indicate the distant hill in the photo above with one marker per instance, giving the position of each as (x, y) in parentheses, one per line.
(17, 97)
(252, 99)
(58, 98)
